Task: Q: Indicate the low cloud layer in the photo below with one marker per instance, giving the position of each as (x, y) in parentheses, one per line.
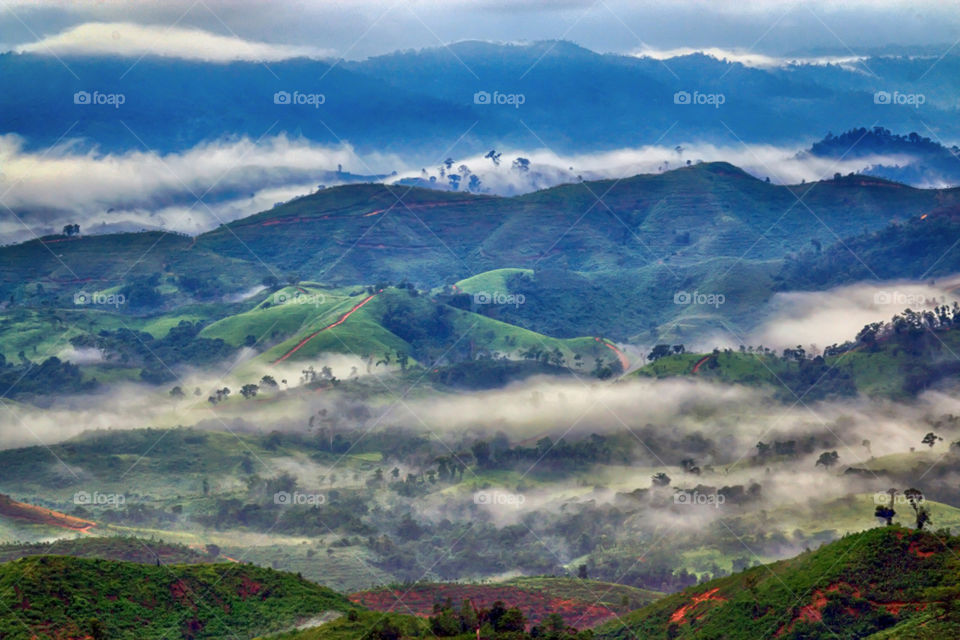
(134, 190)
(822, 318)
(130, 40)
(751, 58)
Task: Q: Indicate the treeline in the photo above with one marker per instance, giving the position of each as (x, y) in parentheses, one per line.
(181, 345)
(28, 379)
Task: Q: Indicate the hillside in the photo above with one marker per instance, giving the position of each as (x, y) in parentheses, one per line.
(61, 597)
(887, 582)
(122, 548)
(581, 603)
(896, 360)
(584, 267)
(360, 233)
(918, 247)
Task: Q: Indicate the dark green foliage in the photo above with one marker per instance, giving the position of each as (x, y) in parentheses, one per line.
(71, 596)
(852, 584)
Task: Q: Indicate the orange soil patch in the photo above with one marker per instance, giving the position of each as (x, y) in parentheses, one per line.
(812, 612)
(39, 515)
(914, 548)
(679, 616)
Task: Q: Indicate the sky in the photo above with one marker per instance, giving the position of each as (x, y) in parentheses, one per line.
(760, 30)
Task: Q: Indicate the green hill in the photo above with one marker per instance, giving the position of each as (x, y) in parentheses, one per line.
(887, 582)
(921, 246)
(62, 597)
(122, 548)
(898, 363)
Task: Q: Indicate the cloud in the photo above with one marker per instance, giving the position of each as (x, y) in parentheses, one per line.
(137, 189)
(749, 58)
(782, 165)
(835, 316)
(237, 178)
(127, 39)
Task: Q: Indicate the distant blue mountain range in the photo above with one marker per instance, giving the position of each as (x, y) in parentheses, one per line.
(477, 95)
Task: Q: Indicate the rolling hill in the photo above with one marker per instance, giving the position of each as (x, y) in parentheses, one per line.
(584, 265)
(63, 597)
(887, 582)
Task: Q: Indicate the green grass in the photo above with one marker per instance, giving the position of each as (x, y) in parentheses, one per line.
(493, 281)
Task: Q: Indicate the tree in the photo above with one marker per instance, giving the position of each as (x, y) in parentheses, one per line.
(660, 479)
(512, 621)
(71, 229)
(249, 390)
(931, 439)
(268, 381)
(659, 351)
(920, 511)
(522, 165)
(886, 512)
(176, 392)
(582, 572)
(494, 157)
(827, 459)
(481, 451)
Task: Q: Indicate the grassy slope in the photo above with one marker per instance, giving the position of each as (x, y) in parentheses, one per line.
(363, 332)
(881, 579)
(57, 596)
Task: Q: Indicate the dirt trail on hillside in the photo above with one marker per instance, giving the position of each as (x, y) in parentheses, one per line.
(624, 361)
(310, 337)
(702, 360)
(40, 515)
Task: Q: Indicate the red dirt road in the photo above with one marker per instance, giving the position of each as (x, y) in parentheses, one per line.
(310, 337)
(39, 515)
(696, 367)
(624, 362)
